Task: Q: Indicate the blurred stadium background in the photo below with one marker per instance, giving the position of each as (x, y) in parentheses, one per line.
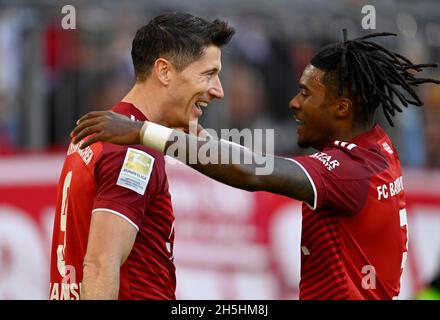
(230, 244)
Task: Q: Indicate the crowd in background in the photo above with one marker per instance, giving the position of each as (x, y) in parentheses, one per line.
(50, 76)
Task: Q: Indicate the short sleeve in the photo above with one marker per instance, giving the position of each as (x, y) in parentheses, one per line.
(341, 184)
(122, 175)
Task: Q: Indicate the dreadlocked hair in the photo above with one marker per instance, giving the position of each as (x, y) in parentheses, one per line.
(373, 75)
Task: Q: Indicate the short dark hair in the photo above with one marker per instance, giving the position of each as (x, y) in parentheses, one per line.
(178, 37)
(372, 75)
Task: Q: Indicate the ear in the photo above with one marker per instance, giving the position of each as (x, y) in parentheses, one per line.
(162, 69)
(344, 108)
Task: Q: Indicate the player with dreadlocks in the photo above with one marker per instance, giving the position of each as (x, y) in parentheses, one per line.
(372, 74)
(354, 227)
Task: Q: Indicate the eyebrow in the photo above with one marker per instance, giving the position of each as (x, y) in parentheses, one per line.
(212, 70)
(303, 86)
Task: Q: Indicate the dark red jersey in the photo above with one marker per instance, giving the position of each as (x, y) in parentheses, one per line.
(129, 182)
(354, 236)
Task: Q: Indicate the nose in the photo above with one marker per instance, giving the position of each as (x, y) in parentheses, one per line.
(216, 88)
(294, 103)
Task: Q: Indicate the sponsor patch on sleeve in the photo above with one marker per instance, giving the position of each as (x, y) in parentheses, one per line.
(136, 170)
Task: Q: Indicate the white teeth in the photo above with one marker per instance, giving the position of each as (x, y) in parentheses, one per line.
(201, 104)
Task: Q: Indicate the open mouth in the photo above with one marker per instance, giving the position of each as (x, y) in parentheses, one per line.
(298, 121)
(199, 105)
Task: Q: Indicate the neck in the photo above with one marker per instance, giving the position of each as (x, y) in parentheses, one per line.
(347, 133)
(146, 97)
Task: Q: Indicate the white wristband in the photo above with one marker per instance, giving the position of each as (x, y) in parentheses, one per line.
(154, 135)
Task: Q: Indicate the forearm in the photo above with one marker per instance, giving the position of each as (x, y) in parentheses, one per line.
(100, 281)
(223, 161)
(240, 167)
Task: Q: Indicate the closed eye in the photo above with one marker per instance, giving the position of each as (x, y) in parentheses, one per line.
(303, 90)
(304, 93)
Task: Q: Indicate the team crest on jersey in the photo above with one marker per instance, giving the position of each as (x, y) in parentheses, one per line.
(136, 170)
(387, 148)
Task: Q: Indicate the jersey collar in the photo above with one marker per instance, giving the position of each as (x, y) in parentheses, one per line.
(129, 110)
(370, 137)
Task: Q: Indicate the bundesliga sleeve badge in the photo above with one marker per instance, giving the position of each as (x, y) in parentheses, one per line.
(136, 170)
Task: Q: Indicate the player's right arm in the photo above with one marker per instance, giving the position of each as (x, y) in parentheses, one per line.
(287, 177)
(110, 241)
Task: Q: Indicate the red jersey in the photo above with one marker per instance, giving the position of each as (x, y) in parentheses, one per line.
(354, 235)
(131, 183)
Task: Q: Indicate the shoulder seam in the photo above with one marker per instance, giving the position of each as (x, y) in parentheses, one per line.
(315, 191)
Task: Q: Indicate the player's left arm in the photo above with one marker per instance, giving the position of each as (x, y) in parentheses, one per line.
(283, 176)
(110, 241)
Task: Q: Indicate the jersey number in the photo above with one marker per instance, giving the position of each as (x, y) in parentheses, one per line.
(403, 224)
(61, 264)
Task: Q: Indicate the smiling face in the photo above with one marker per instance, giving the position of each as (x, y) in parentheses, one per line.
(314, 110)
(191, 89)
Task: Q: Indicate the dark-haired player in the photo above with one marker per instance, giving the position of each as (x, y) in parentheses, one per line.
(354, 231)
(113, 233)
